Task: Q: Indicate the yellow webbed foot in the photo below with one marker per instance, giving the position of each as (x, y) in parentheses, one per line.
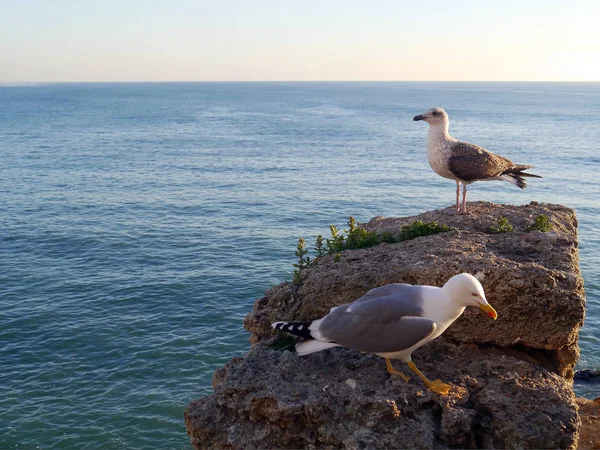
(439, 387)
(393, 371)
(436, 386)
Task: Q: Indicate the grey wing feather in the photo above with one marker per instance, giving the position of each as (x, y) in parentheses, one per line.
(400, 290)
(470, 162)
(399, 299)
(382, 323)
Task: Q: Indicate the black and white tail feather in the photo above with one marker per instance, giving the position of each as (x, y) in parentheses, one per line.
(301, 329)
(515, 176)
(311, 342)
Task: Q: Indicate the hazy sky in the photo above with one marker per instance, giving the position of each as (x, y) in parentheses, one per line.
(147, 40)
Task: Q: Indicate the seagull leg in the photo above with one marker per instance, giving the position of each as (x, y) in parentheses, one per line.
(457, 196)
(393, 371)
(436, 386)
(464, 202)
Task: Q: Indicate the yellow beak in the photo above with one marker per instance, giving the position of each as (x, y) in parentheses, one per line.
(489, 310)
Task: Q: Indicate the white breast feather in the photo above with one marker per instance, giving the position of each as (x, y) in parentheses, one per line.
(438, 151)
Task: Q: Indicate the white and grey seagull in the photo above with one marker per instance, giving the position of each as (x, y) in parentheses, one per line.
(392, 321)
(466, 163)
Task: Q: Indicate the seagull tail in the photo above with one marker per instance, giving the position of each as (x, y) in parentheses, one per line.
(519, 169)
(516, 174)
(515, 179)
(311, 344)
(308, 347)
(525, 174)
(296, 328)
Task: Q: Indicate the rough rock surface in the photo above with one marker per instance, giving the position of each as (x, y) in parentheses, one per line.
(339, 398)
(512, 377)
(531, 278)
(589, 410)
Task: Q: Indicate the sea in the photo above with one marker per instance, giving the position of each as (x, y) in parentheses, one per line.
(139, 222)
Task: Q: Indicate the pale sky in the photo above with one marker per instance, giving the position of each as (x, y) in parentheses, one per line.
(255, 40)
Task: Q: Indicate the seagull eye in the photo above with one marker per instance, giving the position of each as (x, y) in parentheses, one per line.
(474, 294)
(435, 113)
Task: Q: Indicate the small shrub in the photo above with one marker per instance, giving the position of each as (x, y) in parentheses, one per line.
(297, 277)
(319, 246)
(351, 225)
(303, 260)
(361, 238)
(501, 226)
(336, 243)
(419, 228)
(354, 238)
(541, 223)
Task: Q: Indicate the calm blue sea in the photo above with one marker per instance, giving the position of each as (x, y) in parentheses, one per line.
(139, 222)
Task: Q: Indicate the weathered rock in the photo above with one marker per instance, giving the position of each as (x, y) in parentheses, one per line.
(588, 376)
(340, 398)
(589, 410)
(531, 278)
(512, 377)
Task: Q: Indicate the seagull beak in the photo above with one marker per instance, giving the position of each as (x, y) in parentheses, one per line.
(489, 310)
(419, 117)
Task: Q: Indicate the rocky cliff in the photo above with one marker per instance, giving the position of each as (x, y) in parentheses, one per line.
(512, 377)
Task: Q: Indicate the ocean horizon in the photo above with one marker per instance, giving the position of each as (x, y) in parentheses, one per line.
(141, 220)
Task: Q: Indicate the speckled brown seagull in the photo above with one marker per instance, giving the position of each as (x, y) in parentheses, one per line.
(392, 321)
(463, 162)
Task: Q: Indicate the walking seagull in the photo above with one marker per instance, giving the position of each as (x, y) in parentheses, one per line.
(392, 321)
(466, 163)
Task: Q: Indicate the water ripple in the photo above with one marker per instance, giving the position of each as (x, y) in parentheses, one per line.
(141, 222)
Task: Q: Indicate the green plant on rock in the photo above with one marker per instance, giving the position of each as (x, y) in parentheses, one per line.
(297, 277)
(359, 237)
(336, 243)
(319, 246)
(541, 223)
(303, 260)
(419, 228)
(351, 225)
(301, 251)
(501, 226)
(355, 237)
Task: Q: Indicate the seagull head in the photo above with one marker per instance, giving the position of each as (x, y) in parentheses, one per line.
(466, 290)
(433, 116)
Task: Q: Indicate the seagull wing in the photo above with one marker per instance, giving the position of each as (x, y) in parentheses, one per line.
(399, 290)
(470, 162)
(381, 323)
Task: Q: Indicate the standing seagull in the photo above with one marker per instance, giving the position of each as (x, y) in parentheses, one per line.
(463, 162)
(392, 321)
